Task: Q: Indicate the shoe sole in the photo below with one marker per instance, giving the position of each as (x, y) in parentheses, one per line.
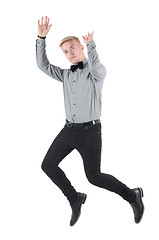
(142, 195)
(141, 192)
(84, 198)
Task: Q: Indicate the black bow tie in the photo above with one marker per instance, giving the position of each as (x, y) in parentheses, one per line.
(74, 67)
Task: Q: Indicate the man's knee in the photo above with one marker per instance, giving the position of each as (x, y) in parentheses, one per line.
(47, 165)
(93, 179)
(44, 166)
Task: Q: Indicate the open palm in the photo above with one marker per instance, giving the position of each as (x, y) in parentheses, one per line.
(44, 28)
(88, 37)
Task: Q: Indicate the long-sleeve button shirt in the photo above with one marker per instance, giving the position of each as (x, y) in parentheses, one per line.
(82, 88)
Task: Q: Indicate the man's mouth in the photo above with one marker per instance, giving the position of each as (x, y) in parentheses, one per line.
(72, 57)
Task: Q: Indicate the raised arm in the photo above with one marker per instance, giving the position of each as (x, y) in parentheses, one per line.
(97, 69)
(41, 57)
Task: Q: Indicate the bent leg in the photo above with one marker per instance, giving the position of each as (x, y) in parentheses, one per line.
(90, 150)
(58, 150)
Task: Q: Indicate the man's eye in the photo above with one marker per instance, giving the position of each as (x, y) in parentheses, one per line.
(73, 48)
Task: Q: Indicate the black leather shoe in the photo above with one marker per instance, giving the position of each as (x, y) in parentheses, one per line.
(138, 206)
(76, 208)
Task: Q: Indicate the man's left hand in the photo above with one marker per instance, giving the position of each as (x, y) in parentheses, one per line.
(88, 37)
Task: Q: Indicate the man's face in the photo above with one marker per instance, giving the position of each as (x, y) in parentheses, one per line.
(73, 51)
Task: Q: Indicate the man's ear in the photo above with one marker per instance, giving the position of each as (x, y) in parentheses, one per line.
(82, 47)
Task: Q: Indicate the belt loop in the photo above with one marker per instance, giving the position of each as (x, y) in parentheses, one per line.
(69, 124)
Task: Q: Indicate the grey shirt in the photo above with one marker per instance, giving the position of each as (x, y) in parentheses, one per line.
(82, 89)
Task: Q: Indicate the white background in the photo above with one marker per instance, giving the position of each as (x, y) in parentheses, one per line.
(32, 114)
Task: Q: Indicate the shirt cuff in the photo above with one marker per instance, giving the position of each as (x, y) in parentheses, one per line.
(41, 42)
(90, 46)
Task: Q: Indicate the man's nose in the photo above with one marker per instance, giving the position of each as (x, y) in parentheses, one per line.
(71, 52)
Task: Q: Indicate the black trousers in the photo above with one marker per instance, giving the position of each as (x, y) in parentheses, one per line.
(87, 140)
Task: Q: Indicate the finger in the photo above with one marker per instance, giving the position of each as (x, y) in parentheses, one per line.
(38, 22)
(84, 39)
(42, 20)
(46, 20)
(50, 26)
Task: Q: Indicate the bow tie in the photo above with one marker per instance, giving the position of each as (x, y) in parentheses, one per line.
(74, 67)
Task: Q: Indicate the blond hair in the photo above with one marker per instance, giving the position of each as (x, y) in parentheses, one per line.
(67, 39)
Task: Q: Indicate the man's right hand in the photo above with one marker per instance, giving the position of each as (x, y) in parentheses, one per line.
(44, 28)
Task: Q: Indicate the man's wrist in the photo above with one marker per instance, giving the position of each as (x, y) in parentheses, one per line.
(41, 37)
(89, 42)
(90, 46)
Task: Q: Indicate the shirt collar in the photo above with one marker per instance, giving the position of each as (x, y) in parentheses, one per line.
(85, 61)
